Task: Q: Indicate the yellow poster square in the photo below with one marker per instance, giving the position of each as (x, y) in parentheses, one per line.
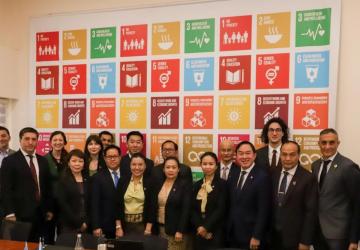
(133, 113)
(273, 30)
(47, 113)
(234, 112)
(74, 44)
(166, 38)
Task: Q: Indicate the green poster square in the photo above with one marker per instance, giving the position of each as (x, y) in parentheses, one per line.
(313, 27)
(199, 35)
(103, 42)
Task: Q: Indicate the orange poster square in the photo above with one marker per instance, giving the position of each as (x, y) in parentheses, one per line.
(311, 111)
(198, 112)
(75, 141)
(102, 113)
(156, 141)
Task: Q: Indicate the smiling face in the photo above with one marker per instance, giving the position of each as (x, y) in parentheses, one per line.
(328, 144)
(112, 159)
(137, 166)
(94, 148)
(171, 169)
(275, 134)
(134, 144)
(76, 164)
(4, 140)
(28, 142)
(106, 140)
(245, 156)
(208, 165)
(57, 142)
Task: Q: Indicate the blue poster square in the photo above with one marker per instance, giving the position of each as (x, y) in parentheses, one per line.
(199, 74)
(102, 78)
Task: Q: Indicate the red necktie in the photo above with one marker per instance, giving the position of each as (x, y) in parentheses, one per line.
(34, 176)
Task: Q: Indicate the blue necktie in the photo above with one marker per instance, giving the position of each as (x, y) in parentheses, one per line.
(116, 178)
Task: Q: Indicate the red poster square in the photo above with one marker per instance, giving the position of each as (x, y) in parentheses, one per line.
(74, 113)
(165, 75)
(198, 112)
(43, 145)
(235, 33)
(74, 79)
(133, 40)
(165, 112)
(270, 106)
(47, 80)
(133, 77)
(311, 111)
(235, 72)
(102, 113)
(47, 46)
(123, 145)
(272, 71)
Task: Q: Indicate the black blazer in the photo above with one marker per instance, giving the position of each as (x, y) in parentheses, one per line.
(149, 203)
(215, 207)
(298, 214)
(262, 158)
(18, 187)
(69, 200)
(103, 195)
(125, 166)
(184, 173)
(232, 170)
(250, 206)
(177, 208)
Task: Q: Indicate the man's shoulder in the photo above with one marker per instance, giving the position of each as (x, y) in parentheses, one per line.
(263, 150)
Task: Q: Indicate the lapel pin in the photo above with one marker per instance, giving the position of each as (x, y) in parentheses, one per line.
(251, 177)
(174, 189)
(335, 166)
(294, 183)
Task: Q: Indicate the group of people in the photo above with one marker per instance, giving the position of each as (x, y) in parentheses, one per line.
(249, 199)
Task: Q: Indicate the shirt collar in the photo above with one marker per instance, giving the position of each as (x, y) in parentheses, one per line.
(291, 171)
(331, 158)
(271, 149)
(141, 179)
(26, 154)
(249, 169)
(117, 171)
(222, 165)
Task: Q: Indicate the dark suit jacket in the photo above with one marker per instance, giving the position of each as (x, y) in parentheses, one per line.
(250, 206)
(215, 206)
(184, 173)
(232, 170)
(262, 158)
(103, 197)
(69, 199)
(18, 187)
(125, 166)
(177, 208)
(149, 203)
(339, 199)
(297, 216)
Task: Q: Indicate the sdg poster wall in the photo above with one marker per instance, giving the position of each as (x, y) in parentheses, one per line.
(194, 73)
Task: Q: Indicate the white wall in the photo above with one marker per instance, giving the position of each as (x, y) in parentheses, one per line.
(14, 22)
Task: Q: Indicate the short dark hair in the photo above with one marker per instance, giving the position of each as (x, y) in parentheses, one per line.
(328, 131)
(131, 133)
(105, 132)
(28, 130)
(138, 155)
(172, 158)
(211, 154)
(5, 129)
(112, 147)
(284, 128)
(58, 132)
(245, 143)
(75, 152)
(170, 141)
(292, 142)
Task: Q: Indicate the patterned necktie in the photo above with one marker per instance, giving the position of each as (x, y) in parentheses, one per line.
(273, 159)
(223, 174)
(323, 173)
(116, 178)
(282, 189)
(34, 176)
(241, 179)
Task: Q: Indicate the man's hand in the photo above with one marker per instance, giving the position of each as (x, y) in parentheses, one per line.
(254, 243)
(11, 218)
(303, 247)
(178, 236)
(83, 227)
(119, 232)
(97, 232)
(201, 231)
(353, 246)
(49, 216)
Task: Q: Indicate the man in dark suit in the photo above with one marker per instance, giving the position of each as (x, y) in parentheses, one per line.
(338, 185)
(274, 133)
(25, 185)
(104, 194)
(250, 201)
(106, 138)
(294, 202)
(135, 144)
(226, 166)
(170, 149)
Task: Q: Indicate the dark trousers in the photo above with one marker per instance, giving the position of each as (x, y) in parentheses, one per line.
(276, 242)
(322, 243)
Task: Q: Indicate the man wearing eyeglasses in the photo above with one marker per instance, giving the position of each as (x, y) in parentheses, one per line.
(104, 192)
(274, 133)
(170, 148)
(338, 185)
